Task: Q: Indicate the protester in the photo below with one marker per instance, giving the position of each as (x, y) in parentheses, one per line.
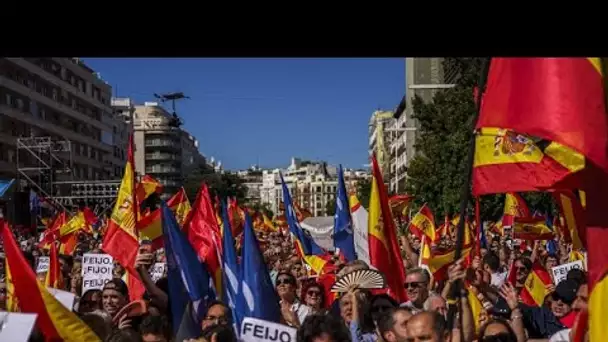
(293, 311)
(392, 324)
(417, 286)
(323, 328)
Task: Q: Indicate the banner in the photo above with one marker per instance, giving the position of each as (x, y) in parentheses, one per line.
(158, 271)
(257, 330)
(560, 272)
(43, 264)
(16, 327)
(96, 271)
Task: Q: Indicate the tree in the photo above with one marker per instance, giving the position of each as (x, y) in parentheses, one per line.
(220, 184)
(436, 173)
(330, 208)
(364, 188)
(264, 208)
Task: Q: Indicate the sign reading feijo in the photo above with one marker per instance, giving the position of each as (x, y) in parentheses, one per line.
(96, 271)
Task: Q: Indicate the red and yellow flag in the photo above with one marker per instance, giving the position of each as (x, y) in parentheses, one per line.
(532, 228)
(150, 227)
(438, 263)
(574, 217)
(180, 206)
(146, 187)
(268, 223)
(384, 250)
(423, 223)
(55, 321)
(54, 278)
(400, 205)
(535, 288)
(515, 206)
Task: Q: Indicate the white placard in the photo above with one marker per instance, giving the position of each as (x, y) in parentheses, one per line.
(16, 327)
(43, 264)
(257, 330)
(157, 271)
(96, 271)
(64, 297)
(560, 272)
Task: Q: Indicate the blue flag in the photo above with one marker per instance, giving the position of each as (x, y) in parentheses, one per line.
(5, 184)
(190, 285)
(256, 293)
(231, 271)
(343, 232)
(482, 239)
(309, 246)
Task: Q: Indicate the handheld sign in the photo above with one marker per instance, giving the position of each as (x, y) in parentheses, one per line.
(16, 327)
(157, 271)
(43, 264)
(257, 330)
(96, 271)
(560, 272)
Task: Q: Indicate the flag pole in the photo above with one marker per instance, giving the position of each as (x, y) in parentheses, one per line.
(464, 195)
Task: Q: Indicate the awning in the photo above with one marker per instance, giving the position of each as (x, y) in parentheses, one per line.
(5, 184)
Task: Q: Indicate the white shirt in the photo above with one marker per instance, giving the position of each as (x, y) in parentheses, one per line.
(561, 336)
(498, 279)
(301, 310)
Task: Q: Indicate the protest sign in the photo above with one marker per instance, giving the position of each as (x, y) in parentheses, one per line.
(560, 272)
(96, 271)
(157, 271)
(16, 327)
(257, 330)
(43, 264)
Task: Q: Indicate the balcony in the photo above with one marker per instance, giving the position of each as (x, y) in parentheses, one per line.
(162, 156)
(162, 169)
(163, 143)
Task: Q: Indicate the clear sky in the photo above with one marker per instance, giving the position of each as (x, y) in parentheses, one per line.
(245, 111)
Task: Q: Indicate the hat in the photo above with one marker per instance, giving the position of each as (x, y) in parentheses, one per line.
(117, 284)
(566, 291)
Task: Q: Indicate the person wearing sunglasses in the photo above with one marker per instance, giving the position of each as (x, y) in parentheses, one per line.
(497, 330)
(314, 297)
(417, 289)
(292, 310)
(522, 267)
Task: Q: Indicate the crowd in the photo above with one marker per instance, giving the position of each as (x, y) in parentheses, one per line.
(357, 315)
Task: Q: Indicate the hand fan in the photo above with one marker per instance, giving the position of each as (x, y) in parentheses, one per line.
(360, 279)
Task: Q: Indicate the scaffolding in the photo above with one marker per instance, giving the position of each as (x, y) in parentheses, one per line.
(41, 161)
(100, 196)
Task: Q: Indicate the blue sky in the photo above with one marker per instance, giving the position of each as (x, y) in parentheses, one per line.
(247, 110)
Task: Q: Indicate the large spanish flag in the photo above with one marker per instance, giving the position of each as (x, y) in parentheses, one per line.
(423, 223)
(56, 322)
(515, 206)
(574, 217)
(532, 228)
(384, 249)
(535, 288)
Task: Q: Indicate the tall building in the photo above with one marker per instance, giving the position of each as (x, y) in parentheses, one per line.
(124, 108)
(163, 149)
(56, 121)
(253, 181)
(312, 185)
(379, 137)
(424, 78)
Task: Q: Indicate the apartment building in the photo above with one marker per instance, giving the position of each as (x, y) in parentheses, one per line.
(380, 137)
(53, 99)
(312, 185)
(162, 148)
(424, 78)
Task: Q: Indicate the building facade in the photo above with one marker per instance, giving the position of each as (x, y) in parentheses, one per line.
(59, 107)
(424, 78)
(313, 185)
(379, 138)
(163, 150)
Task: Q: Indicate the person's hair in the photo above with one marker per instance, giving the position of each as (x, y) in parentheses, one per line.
(289, 275)
(124, 335)
(101, 326)
(155, 325)
(315, 326)
(223, 332)
(386, 319)
(492, 260)
(352, 266)
(512, 336)
(309, 286)
(226, 308)
(427, 303)
(418, 270)
(118, 285)
(577, 275)
(525, 261)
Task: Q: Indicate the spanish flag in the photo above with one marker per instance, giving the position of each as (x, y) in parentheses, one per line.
(574, 217)
(55, 321)
(150, 227)
(384, 249)
(121, 238)
(532, 228)
(54, 278)
(268, 223)
(400, 205)
(180, 206)
(146, 187)
(11, 298)
(515, 206)
(535, 288)
(423, 223)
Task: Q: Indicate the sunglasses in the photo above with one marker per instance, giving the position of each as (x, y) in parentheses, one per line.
(286, 281)
(501, 337)
(522, 268)
(414, 284)
(314, 293)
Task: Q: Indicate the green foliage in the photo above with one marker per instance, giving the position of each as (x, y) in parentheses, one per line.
(437, 172)
(262, 207)
(364, 188)
(220, 184)
(331, 208)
